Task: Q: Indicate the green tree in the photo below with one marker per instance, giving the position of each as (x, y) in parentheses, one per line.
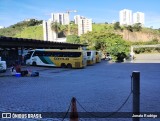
(89, 39)
(74, 29)
(107, 42)
(137, 27)
(73, 39)
(55, 26)
(129, 28)
(117, 26)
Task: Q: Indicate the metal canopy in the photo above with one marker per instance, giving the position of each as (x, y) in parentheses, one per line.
(31, 43)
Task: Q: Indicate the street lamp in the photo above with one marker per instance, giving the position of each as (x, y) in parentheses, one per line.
(69, 11)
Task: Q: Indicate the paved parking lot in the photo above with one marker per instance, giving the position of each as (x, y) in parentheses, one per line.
(99, 88)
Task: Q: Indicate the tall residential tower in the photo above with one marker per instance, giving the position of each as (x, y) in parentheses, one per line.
(62, 18)
(138, 17)
(84, 24)
(125, 17)
(48, 33)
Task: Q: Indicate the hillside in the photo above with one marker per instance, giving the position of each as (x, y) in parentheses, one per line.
(141, 36)
(34, 30)
(103, 27)
(145, 35)
(24, 29)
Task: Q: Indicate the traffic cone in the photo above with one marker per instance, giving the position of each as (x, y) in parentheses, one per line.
(73, 113)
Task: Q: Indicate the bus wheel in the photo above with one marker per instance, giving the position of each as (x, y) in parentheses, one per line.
(63, 65)
(69, 65)
(34, 64)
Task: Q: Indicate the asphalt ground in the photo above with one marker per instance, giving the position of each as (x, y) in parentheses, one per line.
(102, 87)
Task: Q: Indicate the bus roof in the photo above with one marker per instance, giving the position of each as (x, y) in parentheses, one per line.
(62, 50)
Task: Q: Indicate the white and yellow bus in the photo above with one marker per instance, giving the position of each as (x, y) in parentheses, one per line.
(57, 58)
(91, 57)
(98, 56)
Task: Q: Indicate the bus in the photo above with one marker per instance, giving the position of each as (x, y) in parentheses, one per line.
(57, 58)
(98, 56)
(91, 57)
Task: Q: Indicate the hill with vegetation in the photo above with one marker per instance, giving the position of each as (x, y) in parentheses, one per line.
(33, 29)
(26, 29)
(31, 32)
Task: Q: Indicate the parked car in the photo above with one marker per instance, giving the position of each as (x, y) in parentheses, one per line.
(108, 56)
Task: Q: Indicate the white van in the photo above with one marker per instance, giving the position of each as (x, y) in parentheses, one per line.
(3, 66)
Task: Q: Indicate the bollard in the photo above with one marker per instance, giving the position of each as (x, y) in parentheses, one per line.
(136, 94)
(74, 113)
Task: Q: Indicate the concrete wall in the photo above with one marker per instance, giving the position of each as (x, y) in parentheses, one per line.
(147, 58)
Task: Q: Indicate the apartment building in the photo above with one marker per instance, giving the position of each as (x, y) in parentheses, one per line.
(125, 17)
(48, 33)
(84, 24)
(138, 17)
(76, 18)
(62, 18)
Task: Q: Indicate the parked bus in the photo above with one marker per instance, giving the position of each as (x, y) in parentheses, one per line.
(91, 57)
(98, 56)
(58, 58)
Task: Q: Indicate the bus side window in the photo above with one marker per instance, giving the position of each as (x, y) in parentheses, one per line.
(35, 53)
(61, 54)
(48, 54)
(39, 53)
(74, 54)
(51, 54)
(45, 54)
(77, 54)
(57, 54)
(71, 54)
(65, 54)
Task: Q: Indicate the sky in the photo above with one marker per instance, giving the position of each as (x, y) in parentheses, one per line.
(100, 11)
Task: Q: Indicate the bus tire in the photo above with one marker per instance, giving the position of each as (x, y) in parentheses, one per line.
(63, 65)
(34, 64)
(69, 65)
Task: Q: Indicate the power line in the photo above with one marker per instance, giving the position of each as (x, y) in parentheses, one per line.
(111, 113)
(67, 111)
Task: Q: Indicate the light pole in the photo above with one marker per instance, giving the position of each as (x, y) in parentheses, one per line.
(69, 11)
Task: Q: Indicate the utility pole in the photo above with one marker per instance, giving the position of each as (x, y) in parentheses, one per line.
(68, 12)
